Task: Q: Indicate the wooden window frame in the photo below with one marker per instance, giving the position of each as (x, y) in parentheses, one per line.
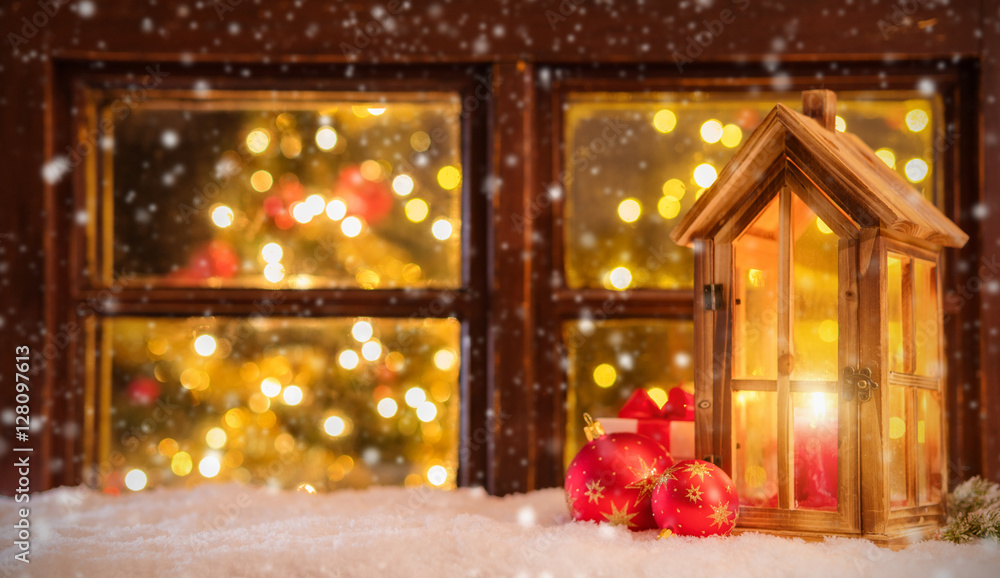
(83, 303)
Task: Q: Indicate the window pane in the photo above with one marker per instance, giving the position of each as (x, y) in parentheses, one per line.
(894, 312)
(291, 193)
(928, 446)
(755, 323)
(755, 432)
(635, 162)
(608, 360)
(815, 438)
(925, 314)
(897, 445)
(280, 401)
(815, 296)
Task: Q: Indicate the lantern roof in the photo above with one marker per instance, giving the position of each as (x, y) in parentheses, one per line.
(823, 166)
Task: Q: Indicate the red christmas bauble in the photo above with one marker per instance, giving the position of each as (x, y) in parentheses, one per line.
(370, 200)
(695, 498)
(612, 479)
(142, 391)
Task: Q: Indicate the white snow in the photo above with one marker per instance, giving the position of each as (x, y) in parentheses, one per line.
(230, 530)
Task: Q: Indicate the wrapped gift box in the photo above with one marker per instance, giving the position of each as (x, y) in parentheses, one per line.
(671, 425)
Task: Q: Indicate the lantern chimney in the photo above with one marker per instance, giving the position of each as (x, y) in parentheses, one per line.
(820, 105)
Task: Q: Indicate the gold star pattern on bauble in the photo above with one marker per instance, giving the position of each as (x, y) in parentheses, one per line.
(698, 469)
(720, 514)
(569, 504)
(668, 474)
(646, 481)
(694, 493)
(595, 491)
(620, 517)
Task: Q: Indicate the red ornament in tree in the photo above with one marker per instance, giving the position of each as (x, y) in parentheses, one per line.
(613, 477)
(370, 200)
(695, 498)
(213, 259)
(142, 391)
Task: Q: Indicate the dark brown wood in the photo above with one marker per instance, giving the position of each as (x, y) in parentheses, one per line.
(516, 404)
(988, 261)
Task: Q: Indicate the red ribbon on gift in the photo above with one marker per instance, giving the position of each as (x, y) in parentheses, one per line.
(679, 406)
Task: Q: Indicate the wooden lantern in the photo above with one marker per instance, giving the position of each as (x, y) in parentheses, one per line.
(818, 336)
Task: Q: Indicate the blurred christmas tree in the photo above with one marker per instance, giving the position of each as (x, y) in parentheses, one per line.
(355, 196)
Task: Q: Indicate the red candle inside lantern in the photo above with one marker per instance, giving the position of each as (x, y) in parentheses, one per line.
(815, 465)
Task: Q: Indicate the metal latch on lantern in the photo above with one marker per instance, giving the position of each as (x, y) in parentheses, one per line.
(858, 383)
(713, 297)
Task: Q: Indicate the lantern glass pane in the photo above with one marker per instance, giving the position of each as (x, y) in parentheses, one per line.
(755, 429)
(815, 439)
(897, 445)
(755, 323)
(925, 313)
(280, 401)
(929, 446)
(608, 360)
(894, 312)
(814, 296)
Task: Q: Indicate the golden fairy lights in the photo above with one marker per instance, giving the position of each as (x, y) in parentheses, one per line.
(326, 138)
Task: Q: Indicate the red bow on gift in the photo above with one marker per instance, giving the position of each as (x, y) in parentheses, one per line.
(679, 406)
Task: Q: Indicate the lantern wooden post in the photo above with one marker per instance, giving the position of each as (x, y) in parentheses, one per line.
(888, 363)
